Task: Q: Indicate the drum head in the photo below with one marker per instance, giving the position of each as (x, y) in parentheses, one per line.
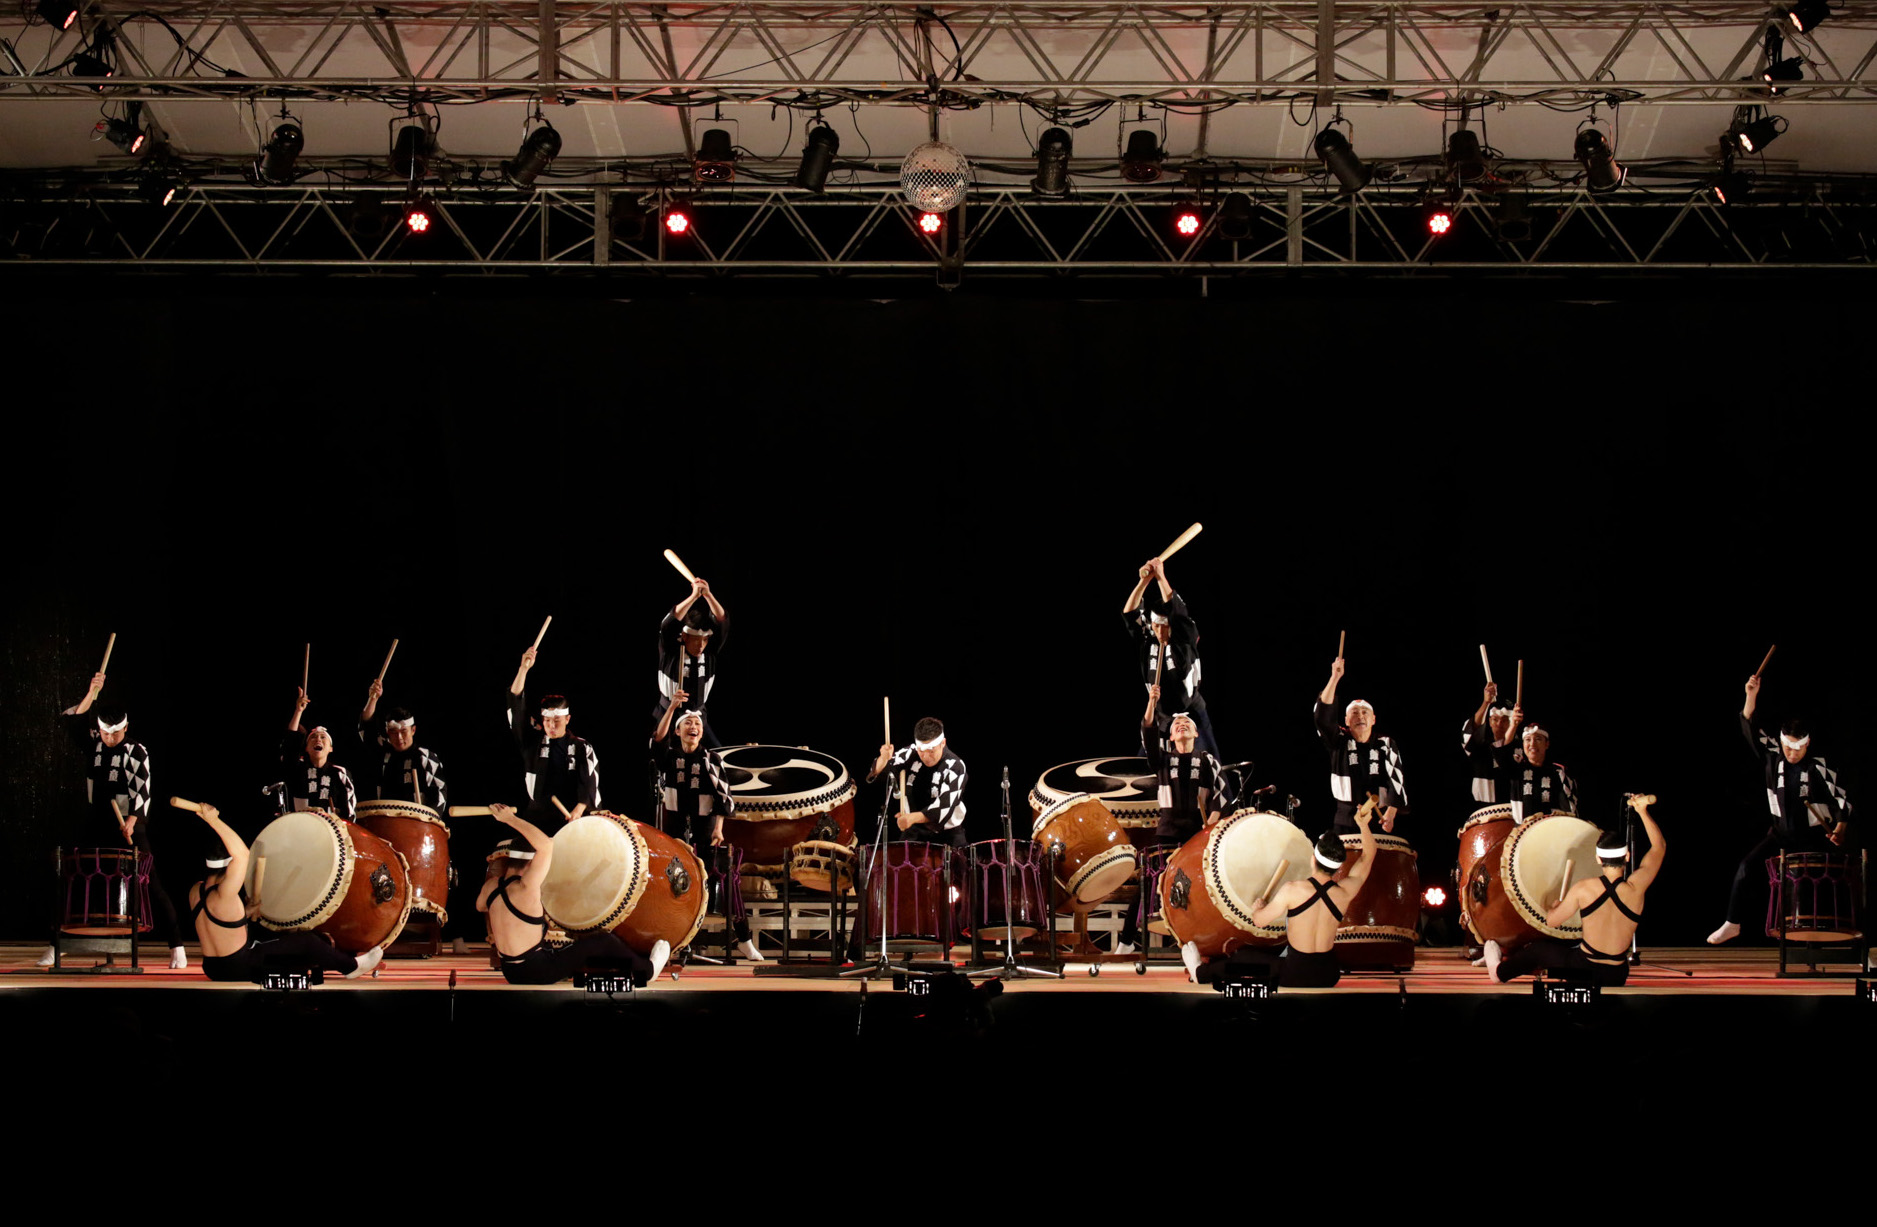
(397, 809)
(600, 870)
(1532, 867)
(1485, 814)
(1241, 852)
(773, 783)
(309, 867)
(1125, 785)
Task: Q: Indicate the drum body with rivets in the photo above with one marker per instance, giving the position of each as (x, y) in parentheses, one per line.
(1381, 925)
(418, 833)
(1512, 889)
(1480, 838)
(1093, 858)
(1210, 887)
(611, 873)
(331, 876)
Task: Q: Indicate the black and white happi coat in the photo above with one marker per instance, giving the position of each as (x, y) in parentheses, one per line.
(697, 674)
(309, 787)
(415, 774)
(1185, 781)
(1179, 684)
(118, 773)
(1478, 745)
(565, 767)
(1358, 769)
(941, 799)
(1532, 791)
(693, 789)
(1801, 795)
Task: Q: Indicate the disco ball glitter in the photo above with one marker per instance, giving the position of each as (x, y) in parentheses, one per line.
(935, 177)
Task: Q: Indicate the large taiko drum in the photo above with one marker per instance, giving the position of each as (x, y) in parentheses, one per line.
(611, 873)
(785, 795)
(1126, 786)
(1093, 858)
(333, 877)
(1480, 838)
(1210, 887)
(419, 835)
(914, 892)
(1819, 891)
(107, 892)
(1005, 894)
(1382, 923)
(1517, 886)
(824, 865)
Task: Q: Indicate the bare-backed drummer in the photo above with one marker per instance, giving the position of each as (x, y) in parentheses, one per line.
(1530, 779)
(407, 770)
(690, 639)
(554, 763)
(1610, 905)
(1810, 810)
(118, 769)
(313, 780)
(696, 799)
(1190, 792)
(940, 814)
(1361, 760)
(234, 950)
(1486, 730)
(1173, 628)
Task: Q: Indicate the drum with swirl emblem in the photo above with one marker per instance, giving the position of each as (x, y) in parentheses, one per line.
(785, 795)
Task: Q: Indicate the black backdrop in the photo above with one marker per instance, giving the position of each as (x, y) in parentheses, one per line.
(940, 498)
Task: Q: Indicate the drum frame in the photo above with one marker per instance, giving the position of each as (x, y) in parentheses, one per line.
(1858, 946)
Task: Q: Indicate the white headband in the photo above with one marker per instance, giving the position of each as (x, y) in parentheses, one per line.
(1181, 715)
(319, 728)
(507, 848)
(1791, 743)
(409, 722)
(113, 728)
(698, 631)
(1500, 711)
(213, 863)
(1533, 730)
(934, 744)
(1358, 703)
(554, 711)
(692, 714)
(1610, 854)
(1157, 619)
(1324, 861)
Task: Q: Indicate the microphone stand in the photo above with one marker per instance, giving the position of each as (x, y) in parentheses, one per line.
(1011, 970)
(882, 965)
(1629, 837)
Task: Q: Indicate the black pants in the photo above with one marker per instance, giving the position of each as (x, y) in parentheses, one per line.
(546, 965)
(303, 950)
(1565, 958)
(1294, 968)
(1149, 902)
(1752, 867)
(103, 826)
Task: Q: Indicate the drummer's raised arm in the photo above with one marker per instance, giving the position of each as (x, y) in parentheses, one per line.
(663, 730)
(536, 872)
(684, 607)
(710, 598)
(1327, 696)
(229, 888)
(520, 684)
(1651, 863)
(1153, 701)
(1140, 590)
(299, 706)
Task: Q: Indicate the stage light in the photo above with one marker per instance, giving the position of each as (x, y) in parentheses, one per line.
(935, 177)
(818, 158)
(1234, 217)
(677, 220)
(716, 158)
(275, 164)
(1333, 148)
(1730, 186)
(1781, 73)
(420, 216)
(1141, 162)
(1439, 219)
(126, 135)
(84, 64)
(628, 216)
(538, 151)
(1434, 897)
(59, 14)
(159, 186)
(931, 223)
(1805, 16)
(1601, 171)
(1754, 136)
(1186, 220)
(1465, 159)
(410, 153)
(1052, 163)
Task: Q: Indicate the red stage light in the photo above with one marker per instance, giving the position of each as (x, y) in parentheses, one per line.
(930, 222)
(677, 221)
(1434, 897)
(1439, 221)
(417, 220)
(1187, 223)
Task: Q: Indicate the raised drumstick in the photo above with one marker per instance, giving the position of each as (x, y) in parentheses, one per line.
(1179, 542)
(306, 667)
(1276, 876)
(543, 635)
(886, 707)
(1641, 800)
(1485, 664)
(1756, 672)
(112, 642)
(470, 811)
(1518, 698)
(1342, 637)
(387, 664)
(194, 807)
(562, 808)
(672, 558)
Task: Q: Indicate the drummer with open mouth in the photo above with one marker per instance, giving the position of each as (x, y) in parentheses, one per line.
(1489, 729)
(1362, 761)
(313, 780)
(697, 798)
(690, 639)
(940, 818)
(407, 771)
(1534, 782)
(1189, 791)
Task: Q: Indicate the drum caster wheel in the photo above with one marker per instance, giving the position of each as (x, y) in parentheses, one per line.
(1094, 969)
(1140, 969)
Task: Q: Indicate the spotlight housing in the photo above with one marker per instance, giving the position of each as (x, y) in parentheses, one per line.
(716, 157)
(628, 218)
(1052, 163)
(59, 14)
(159, 186)
(1141, 162)
(1333, 148)
(275, 164)
(1781, 73)
(1754, 136)
(1601, 170)
(1465, 160)
(85, 64)
(127, 136)
(818, 158)
(1730, 186)
(538, 151)
(410, 153)
(1804, 16)
(1234, 218)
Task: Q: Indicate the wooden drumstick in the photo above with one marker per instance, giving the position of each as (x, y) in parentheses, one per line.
(683, 570)
(886, 706)
(1564, 883)
(1518, 697)
(1342, 637)
(119, 815)
(562, 808)
(902, 794)
(112, 642)
(1756, 672)
(1642, 800)
(194, 807)
(1277, 876)
(470, 811)
(1485, 664)
(306, 668)
(388, 655)
(259, 866)
(543, 635)
(417, 783)
(1160, 663)
(1179, 542)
